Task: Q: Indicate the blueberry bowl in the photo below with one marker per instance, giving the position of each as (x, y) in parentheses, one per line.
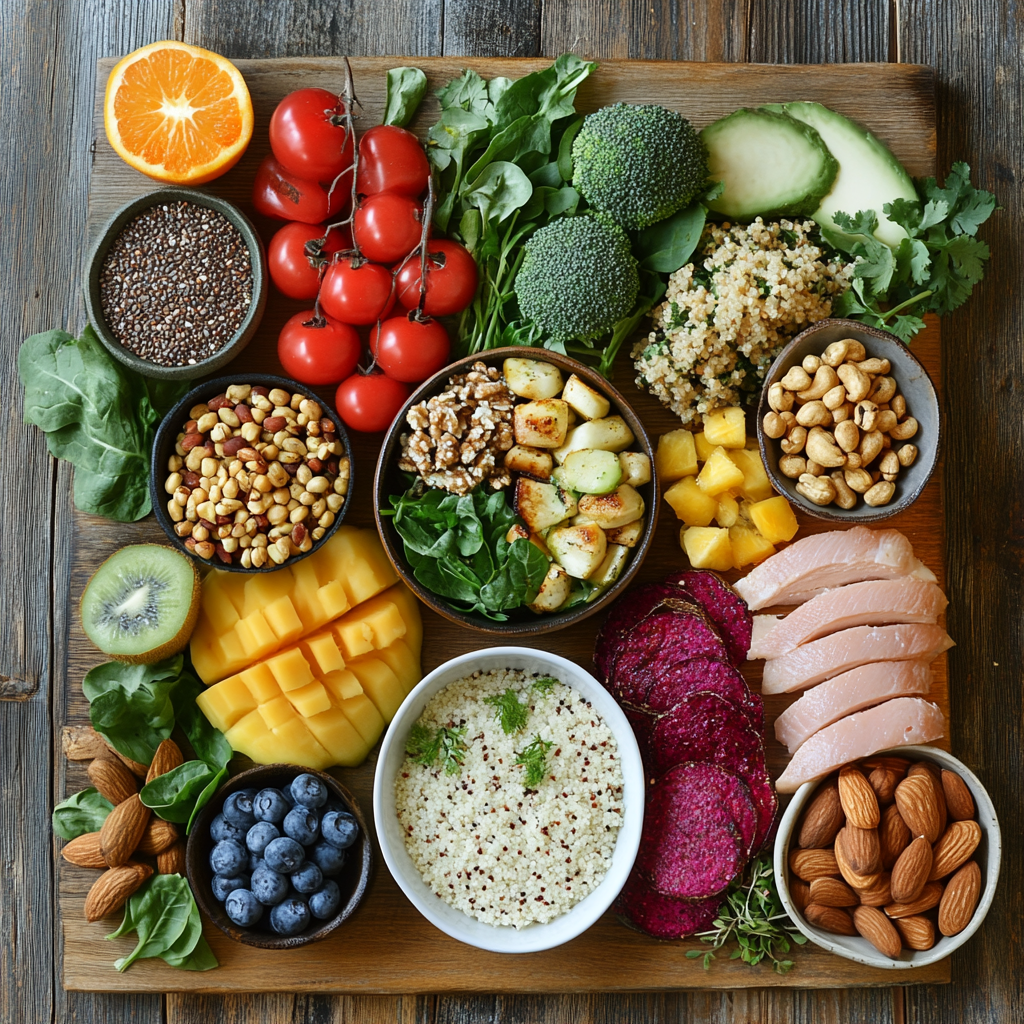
(279, 888)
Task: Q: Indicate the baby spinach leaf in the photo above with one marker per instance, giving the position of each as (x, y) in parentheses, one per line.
(405, 91)
(183, 945)
(81, 813)
(200, 959)
(669, 244)
(160, 911)
(172, 795)
(204, 797)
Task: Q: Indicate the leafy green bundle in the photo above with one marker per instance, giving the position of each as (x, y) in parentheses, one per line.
(98, 415)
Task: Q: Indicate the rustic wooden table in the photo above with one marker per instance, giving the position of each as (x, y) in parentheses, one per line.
(50, 48)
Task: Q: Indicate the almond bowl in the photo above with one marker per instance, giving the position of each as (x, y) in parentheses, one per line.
(988, 855)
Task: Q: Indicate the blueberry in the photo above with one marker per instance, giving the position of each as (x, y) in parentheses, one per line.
(243, 908)
(329, 859)
(238, 810)
(255, 860)
(284, 855)
(228, 857)
(221, 829)
(309, 791)
(270, 805)
(308, 878)
(303, 825)
(223, 885)
(290, 917)
(324, 903)
(259, 835)
(339, 828)
(268, 886)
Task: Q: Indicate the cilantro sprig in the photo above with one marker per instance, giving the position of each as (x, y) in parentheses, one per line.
(932, 270)
(509, 711)
(425, 746)
(534, 758)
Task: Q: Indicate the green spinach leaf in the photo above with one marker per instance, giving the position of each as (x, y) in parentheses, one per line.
(204, 797)
(160, 911)
(207, 742)
(669, 244)
(406, 89)
(200, 959)
(173, 795)
(81, 813)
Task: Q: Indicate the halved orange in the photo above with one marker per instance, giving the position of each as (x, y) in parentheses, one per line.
(177, 113)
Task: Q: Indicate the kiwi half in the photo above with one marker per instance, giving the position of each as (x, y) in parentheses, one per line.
(142, 603)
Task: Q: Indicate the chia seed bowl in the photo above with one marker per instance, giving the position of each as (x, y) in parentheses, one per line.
(229, 298)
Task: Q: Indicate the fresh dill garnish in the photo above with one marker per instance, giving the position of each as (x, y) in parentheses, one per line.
(545, 684)
(533, 758)
(754, 917)
(422, 744)
(424, 747)
(509, 710)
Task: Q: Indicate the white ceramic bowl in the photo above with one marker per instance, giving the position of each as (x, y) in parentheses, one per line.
(988, 856)
(451, 921)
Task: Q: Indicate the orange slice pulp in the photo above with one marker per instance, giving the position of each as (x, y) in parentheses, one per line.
(177, 113)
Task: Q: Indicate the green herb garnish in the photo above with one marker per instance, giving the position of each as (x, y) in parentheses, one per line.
(534, 758)
(509, 710)
(754, 918)
(545, 684)
(425, 747)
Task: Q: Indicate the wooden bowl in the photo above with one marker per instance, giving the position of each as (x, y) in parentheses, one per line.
(912, 381)
(352, 881)
(163, 448)
(390, 480)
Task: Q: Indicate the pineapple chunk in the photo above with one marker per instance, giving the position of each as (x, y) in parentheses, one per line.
(554, 591)
(704, 449)
(585, 400)
(610, 434)
(541, 424)
(719, 474)
(748, 546)
(628, 535)
(756, 485)
(707, 547)
(531, 378)
(542, 505)
(690, 503)
(726, 428)
(774, 519)
(531, 461)
(728, 510)
(609, 511)
(610, 569)
(578, 549)
(676, 455)
(636, 468)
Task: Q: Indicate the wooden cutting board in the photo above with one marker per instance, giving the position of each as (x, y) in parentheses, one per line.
(387, 947)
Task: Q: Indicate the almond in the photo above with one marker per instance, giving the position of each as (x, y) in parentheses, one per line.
(915, 797)
(159, 835)
(110, 890)
(954, 847)
(917, 932)
(799, 893)
(82, 743)
(138, 770)
(167, 757)
(123, 829)
(959, 899)
(883, 782)
(893, 836)
(831, 892)
(172, 860)
(932, 772)
(861, 849)
(144, 871)
(822, 820)
(899, 765)
(930, 896)
(113, 779)
(858, 798)
(878, 894)
(811, 864)
(85, 851)
(830, 919)
(852, 877)
(910, 872)
(959, 801)
(878, 930)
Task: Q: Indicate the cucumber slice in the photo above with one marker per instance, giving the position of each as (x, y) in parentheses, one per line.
(591, 471)
(772, 165)
(869, 175)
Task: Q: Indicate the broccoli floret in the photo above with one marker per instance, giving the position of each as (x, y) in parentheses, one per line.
(639, 164)
(578, 277)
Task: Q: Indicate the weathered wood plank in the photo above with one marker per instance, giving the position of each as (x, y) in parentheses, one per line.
(819, 31)
(501, 28)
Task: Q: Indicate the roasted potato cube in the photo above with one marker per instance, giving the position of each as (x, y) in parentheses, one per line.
(690, 503)
(532, 461)
(610, 434)
(707, 547)
(585, 400)
(636, 468)
(578, 549)
(610, 569)
(542, 505)
(541, 424)
(554, 591)
(774, 519)
(609, 511)
(516, 532)
(748, 546)
(628, 536)
(532, 378)
(719, 474)
(726, 428)
(676, 456)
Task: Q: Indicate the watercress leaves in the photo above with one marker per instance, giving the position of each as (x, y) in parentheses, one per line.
(81, 813)
(405, 91)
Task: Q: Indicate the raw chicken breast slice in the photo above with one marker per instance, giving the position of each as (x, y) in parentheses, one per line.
(822, 659)
(872, 603)
(852, 691)
(896, 723)
(826, 560)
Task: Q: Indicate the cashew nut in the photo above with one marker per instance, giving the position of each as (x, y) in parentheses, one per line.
(907, 454)
(858, 384)
(825, 380)
(880, 494)
(864, 415)
(779, 398)
(886, 441)
(811, 363)
(870, 446)
(789, 418)
(855, 351)
(834, 397)
(847, 435)
(815, 468)
(885, 420)
(898, 404)
(845, 498)
(889, 466)
(858, 480)
(818, 489)
(822, 448)
(882, 390)
(902, 431)
(844, 412)
(873, 365)
(796, 379)
(814, 414)
(774, 425)
(793, 466)
(835, 353)
(793, 443)
(853, 461)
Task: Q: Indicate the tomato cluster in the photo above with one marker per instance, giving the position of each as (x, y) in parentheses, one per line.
(356, 249)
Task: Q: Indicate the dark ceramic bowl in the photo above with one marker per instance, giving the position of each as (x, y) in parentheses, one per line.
(163, 449)
(353, 880)
(912, 381)
(390, 480)
(246, 330)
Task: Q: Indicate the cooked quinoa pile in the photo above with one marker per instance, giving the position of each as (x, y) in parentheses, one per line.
(486, 845)
(726, 317)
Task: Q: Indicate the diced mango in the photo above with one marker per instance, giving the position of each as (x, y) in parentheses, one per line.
(226, 704)
(300, 746)
(726, 428)
(380, 684)
(676, 456)
(704, 449)
(337, 735)
(290, 668)
(333, 599)
(258, 590)
(260, 682)
(748, 546)
(342, 685)
(283, 619)
(359, 564)
(310, 699)
(756, 485)
(719, 473)
(406, 665)
(276, 712)
(221, 612)
(256, 636)
(250, 736)
(323, 649)
(690, 503)
(774, 519)
(728, 510)
(707, 547)
(362, 713)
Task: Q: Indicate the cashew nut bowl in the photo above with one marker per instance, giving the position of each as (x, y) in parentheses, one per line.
(904, 478)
